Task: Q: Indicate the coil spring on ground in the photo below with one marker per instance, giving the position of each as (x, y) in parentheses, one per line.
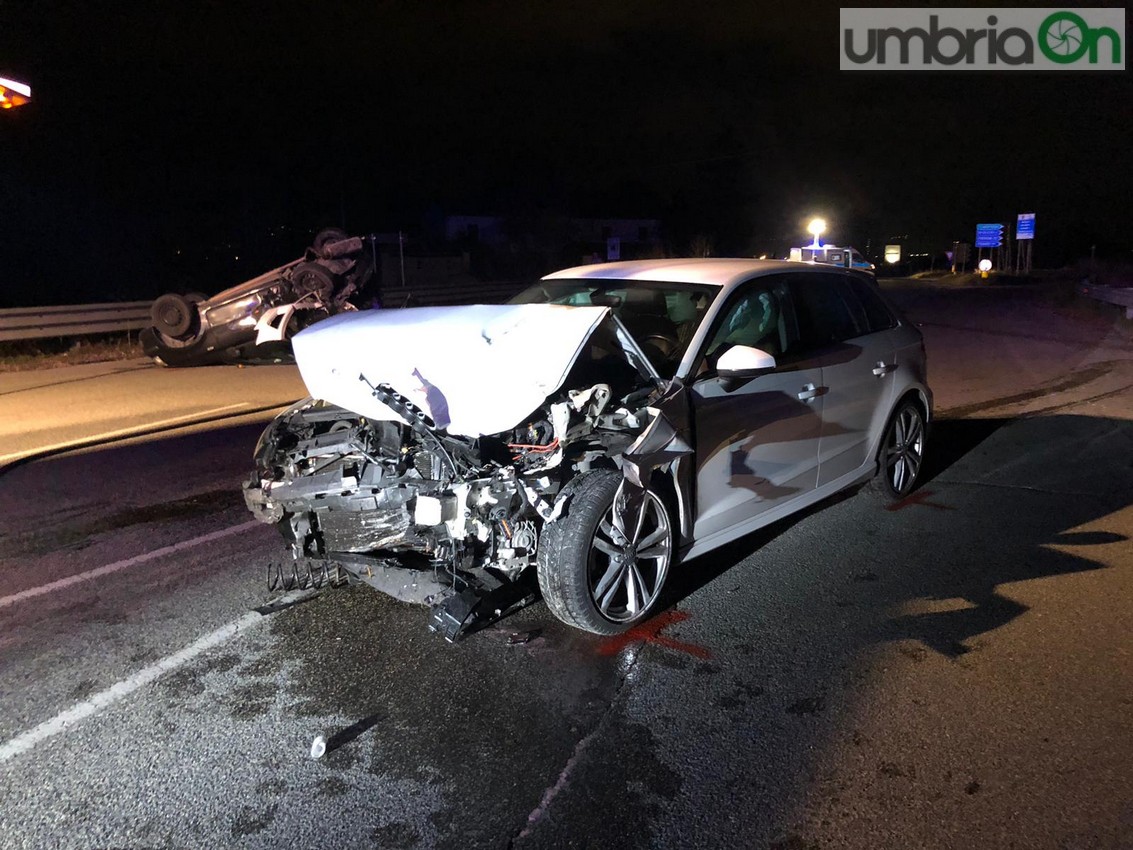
(304, 576)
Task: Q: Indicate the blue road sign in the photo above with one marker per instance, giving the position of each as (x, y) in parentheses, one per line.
(989, 235)
(1025, 226)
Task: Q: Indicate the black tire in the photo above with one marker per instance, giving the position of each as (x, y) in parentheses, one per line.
(900, 458)
(311, 277)
(174, 315)
(326, 237)
(583, 582)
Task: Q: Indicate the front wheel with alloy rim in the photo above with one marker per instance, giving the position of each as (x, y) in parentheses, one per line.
(901, 456)
(600, 569)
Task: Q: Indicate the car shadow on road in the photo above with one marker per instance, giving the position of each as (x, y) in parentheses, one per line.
(950, 440)
(986, 535)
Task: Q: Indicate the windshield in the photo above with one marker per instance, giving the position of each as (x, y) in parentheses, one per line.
(661, 316)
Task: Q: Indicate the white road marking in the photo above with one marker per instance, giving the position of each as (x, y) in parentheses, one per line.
(136, 431)
(61, 722)
(31, 592)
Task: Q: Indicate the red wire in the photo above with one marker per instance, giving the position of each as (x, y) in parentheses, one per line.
(550, 447)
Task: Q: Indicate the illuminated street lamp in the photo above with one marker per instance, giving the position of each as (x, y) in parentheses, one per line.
(816, 226)
(13, 93)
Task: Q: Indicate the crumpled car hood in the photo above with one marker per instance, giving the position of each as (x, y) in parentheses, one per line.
(474, 370)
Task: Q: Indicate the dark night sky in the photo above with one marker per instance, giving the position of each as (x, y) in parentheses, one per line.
(160, 125)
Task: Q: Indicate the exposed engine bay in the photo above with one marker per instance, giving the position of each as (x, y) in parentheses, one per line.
(439, 518)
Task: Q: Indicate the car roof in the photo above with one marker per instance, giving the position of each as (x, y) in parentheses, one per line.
(715, 271)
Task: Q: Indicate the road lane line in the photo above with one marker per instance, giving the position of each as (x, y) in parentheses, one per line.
(52, 384)
(25, 741)
(135, 431)
(31, 592)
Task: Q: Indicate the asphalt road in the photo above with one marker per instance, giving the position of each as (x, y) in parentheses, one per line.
(955, 673)
(48, 411)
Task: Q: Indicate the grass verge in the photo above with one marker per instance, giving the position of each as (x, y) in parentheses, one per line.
(26, 355)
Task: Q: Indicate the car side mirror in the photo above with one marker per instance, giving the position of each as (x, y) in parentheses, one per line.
(743, 360)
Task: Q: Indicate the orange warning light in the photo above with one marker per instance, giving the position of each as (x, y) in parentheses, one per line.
(13, 93)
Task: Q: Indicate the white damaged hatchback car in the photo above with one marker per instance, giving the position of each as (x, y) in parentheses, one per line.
(579, 442)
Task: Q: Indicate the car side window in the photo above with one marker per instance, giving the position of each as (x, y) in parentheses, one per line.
(877, 315)
(755, 316)
(825, 310)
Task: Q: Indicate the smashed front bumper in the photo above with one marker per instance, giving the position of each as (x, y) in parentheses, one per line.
(460, 600)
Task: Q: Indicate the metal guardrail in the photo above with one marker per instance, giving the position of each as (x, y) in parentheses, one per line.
(74, 320)
(80, 319)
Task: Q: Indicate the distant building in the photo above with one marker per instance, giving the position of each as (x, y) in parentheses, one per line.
(632, 231)
(480, 229)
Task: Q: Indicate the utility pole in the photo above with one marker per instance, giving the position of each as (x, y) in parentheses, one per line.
(401, 255)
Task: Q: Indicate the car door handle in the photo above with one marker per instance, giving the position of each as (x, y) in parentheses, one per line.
(883, 368)
(810, 392)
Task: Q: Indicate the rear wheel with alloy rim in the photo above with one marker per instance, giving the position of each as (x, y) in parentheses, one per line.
(901, 457)
(599, 569)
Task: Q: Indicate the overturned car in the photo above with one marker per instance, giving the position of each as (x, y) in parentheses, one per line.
(255, 320)
(580, 440)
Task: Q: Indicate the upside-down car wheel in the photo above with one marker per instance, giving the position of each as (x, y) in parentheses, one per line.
(173, 315)
(327, 237)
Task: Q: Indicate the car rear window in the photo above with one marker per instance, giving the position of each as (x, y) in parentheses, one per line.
(877, 315)
(825, 309)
